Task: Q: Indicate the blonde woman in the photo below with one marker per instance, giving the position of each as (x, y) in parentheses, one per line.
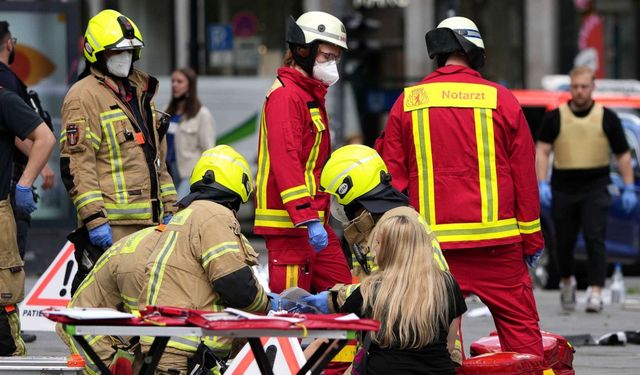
(417, 303)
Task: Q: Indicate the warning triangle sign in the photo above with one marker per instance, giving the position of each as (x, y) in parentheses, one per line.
(284, 352)
(53, 288)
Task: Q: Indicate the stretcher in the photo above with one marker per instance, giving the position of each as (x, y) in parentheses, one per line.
(164, 322)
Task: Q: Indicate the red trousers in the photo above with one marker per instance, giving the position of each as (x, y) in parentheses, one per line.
(292, 262)
(499, 277)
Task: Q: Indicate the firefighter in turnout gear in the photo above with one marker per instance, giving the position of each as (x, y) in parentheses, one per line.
(360, 185)
(112, 141)
(460, 146)
(291, 211)
(115, 281)
(202, 260)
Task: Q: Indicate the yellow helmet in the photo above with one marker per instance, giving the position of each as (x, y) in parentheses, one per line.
(351, 172)
(229, 170)
(110, 30)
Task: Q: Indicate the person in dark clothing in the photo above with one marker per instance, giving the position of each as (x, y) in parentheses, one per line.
(418, 340)
(9, 80)
(582, 134)
(16, 120)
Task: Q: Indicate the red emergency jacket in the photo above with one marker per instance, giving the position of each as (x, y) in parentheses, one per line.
(461, 149)
(293, 147)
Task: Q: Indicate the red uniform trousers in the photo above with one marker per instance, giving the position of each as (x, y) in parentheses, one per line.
(498, 276)
(292, 262)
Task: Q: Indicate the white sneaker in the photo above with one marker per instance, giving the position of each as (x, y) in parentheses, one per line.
(568, 294)
(594, 303)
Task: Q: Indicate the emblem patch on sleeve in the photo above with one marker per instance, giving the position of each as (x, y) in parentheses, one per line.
(72, 134)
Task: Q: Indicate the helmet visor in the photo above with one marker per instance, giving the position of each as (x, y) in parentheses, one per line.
(337, 211)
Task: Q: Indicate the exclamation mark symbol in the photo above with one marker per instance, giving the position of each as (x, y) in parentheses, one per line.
(67, 274)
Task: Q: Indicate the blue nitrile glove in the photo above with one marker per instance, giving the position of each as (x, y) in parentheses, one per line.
(532, 260)
(24, 199)
(318, 238)
(629, 198)
(167, 219)
(545, 193)
(319, 301)
(275, 302)
(101, 236)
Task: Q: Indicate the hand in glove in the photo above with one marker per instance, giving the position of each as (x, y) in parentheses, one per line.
(275, 302)
(24, 199)
(319, 301)
(545, 193)
(101, 236)
(167, 219)
(532, 260)
(629, 198)
(318, 238)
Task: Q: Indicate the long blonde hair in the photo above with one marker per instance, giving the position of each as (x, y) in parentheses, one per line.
(409, 294)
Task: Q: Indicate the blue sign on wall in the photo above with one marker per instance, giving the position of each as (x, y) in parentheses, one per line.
(220, 37)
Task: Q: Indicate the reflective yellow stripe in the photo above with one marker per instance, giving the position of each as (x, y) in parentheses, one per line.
(450, 94)
(86, 198)
(167, 189)
(218, 251)
(159, 265)
(294, 193)
(350, 289)
(263, 166)
(278, 218)
(422, 142)
(486, 164)
(181, 217)
(313, 155)
(130, 211)
(437, 251)
(476, 231)
(254, 306)
(117, 169)
(95, 140)
(291, 279)
(346, 354)
(131, 243)
(130, 302)
(186, 343)
(316, 117)
(527, 227)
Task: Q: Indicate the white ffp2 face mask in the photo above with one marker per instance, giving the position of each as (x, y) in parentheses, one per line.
(119, 65)
(327, 72)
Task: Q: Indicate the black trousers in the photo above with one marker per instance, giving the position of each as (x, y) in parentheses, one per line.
(587, 211)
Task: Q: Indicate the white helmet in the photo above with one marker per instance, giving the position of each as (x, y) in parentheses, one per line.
(317, 26)
(456, 34)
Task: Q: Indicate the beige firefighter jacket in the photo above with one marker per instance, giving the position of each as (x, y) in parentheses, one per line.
(112, 168)
(115, 282)
(203, 261)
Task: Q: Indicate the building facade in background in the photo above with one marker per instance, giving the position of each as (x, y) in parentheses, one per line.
(237, 45)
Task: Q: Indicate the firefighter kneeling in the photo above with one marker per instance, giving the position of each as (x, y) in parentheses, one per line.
(202, 260)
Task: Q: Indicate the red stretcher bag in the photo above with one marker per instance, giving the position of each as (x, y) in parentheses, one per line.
(558, 352)
(503, 363)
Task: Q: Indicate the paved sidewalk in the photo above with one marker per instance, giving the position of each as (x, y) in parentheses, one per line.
(588, 359)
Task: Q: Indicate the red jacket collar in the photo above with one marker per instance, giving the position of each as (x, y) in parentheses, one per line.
(308, 84)
(454, 69)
